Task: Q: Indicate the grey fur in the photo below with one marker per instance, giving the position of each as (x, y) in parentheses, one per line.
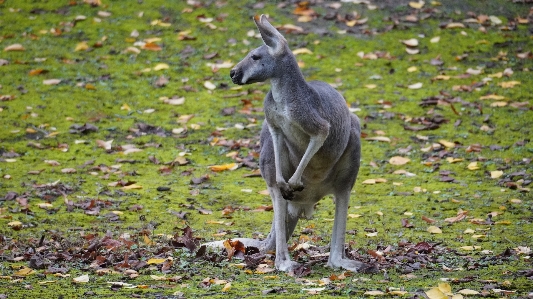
(309, 137)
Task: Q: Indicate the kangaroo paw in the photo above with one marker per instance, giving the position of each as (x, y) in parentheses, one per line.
(286, 191)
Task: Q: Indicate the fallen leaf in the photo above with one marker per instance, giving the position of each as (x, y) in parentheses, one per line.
(81, 279)
(161, 66)
(413, 42)
(446, 143)
(473, 166)
(301, 51)
(51, 81)
(398, 160)
(468, 292)
(496, 174)
(415, 86)
(435, 40)
(25, 271)
(455, 25)
(209, 85)
(434, 230)
(14, 47)
(218, 168)
(155, 261)
(417, 5)
(375, 293)
(82, 46)
(509, 84)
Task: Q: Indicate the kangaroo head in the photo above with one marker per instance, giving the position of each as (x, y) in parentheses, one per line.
(262, 63)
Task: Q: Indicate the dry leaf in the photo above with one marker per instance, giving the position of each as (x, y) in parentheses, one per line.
(81, 46)
(415, 86)
(25, 271)
(209, 85)
(302, 51)
(435, 40)
(468, 292)
(434, 230)
(81, 279)
(161, 66)
(14, 47)
(496, 174)
(398, 160)
(473, 166)
(509, 84)
(446, 143)
(155, 261)
(413, 42)
(51, 81)
(218, 168)
(455, 25)
(417, 5)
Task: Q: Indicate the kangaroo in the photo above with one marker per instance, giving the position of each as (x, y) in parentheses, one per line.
(308, 137)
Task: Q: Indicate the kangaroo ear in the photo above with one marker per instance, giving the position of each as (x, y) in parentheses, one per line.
(270, 35)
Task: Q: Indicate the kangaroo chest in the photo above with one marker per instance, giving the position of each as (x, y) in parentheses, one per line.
(282, 119)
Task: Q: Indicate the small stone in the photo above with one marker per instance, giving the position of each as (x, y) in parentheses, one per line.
(163, 188)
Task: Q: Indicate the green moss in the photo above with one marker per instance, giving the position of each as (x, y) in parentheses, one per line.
(118, 80)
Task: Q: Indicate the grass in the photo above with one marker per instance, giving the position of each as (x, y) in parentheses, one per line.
(113, 88)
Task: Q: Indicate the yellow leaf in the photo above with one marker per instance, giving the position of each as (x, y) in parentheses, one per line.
(155, 277)
(455, 25)
(81, 279)
(51, 81)
(412, 69)
(446, 143)
(473, 166)
(161, 66)
(397, 160)
(441, 77)
(515, 200)
(435, 293)
(155, 261)
(354, 215)
(45, 205)
(226, 287)
(470, 248)
(454, 160)
(81, 46)
(496, 174)
(374, 293)
(302, 51)
(445, 288)
(434, 230)
(16, 225)
(468, 292)
(370, 86)
(499, 104)
(218, 168)
(369, 182)
(374, 234)
(147, 240)
(90, 86)
(417, 5)
(132, 186)
(508, 84)
(492, 97)
(478, 236)
(125, 107)
(25, 271)
(14, 47)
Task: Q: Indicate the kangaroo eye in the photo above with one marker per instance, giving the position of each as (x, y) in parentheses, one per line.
(255, 57)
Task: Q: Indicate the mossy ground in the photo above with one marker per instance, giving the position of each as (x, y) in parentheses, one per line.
(121, 93)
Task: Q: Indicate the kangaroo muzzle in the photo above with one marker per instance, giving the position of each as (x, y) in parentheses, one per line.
(236, 76)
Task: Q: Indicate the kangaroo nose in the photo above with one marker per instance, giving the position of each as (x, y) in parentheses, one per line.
(232, 73)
